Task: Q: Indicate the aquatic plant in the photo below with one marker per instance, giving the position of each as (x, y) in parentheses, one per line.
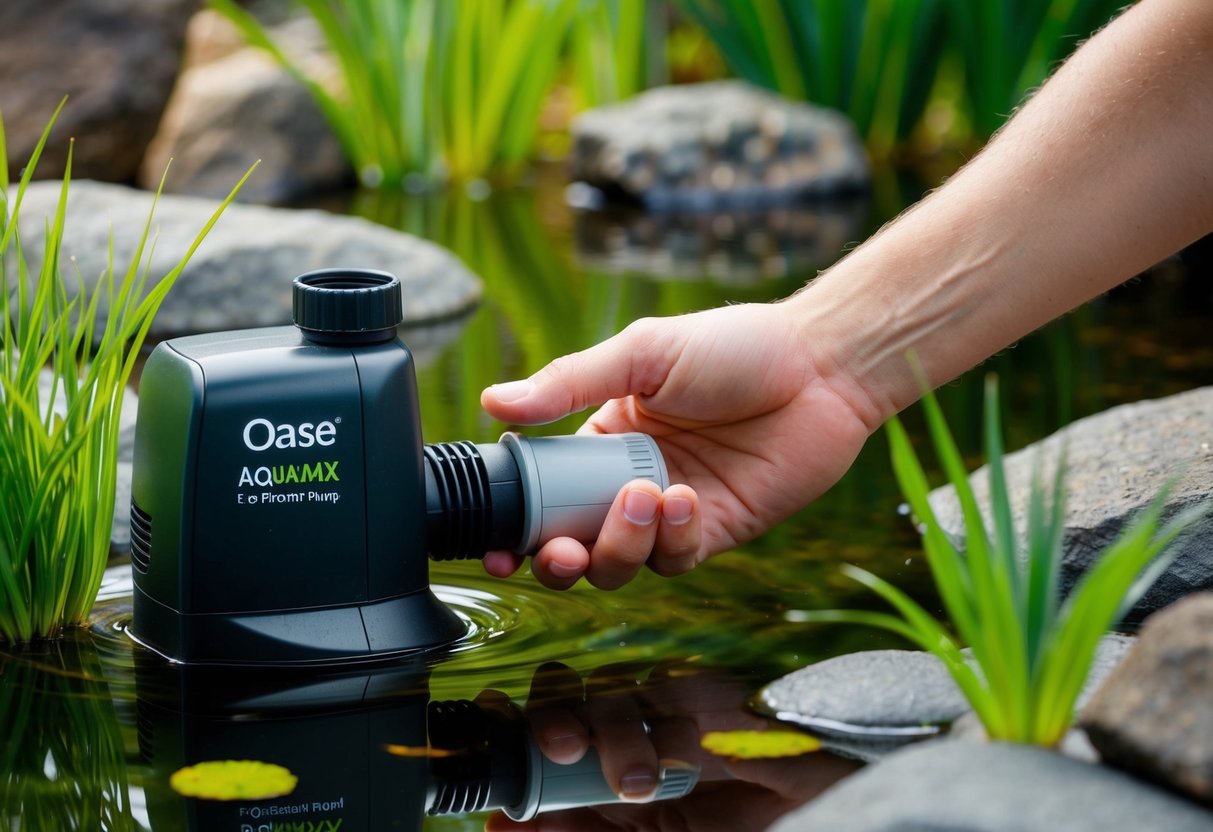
(59, 441)
(607, 51)
(1009, 47)
(875, 60)
(430, 89)
(1031, 649)
(878, 60)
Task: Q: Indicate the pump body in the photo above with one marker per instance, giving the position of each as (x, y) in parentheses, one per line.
(260, 460)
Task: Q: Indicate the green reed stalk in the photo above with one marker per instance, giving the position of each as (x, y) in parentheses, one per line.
(58, 449)
(607, 46)
(1031, 649)
(430, 89)
(1009, 47)
(875, 60)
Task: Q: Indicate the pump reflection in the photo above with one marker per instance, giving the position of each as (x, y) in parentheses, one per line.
(371, 751)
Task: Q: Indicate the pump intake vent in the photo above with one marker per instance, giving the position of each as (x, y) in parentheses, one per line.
(141, 539)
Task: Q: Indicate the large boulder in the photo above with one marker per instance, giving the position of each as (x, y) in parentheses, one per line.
(1117, 463)
(949, 785)
(240, 276)
(719, 145)
(116, 60)
(234, 105)
(1154, 715)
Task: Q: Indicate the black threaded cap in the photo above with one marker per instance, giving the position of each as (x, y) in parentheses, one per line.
(347, 306)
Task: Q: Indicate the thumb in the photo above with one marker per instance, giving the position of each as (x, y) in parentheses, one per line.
(634, 362)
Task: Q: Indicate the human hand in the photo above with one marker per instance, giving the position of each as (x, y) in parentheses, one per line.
(751, 427)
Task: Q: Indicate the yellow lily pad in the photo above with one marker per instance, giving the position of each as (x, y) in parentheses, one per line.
(759, 745)
(233, 780)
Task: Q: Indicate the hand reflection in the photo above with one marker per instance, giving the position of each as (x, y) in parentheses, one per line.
(638, 724)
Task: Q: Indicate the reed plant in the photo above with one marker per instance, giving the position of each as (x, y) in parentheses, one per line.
(607, 48)
(59, 441)
(430, 89)
(1009, 47)
(875, 60)
(1031, 649)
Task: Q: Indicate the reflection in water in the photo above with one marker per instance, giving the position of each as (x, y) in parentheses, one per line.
(374, 749)
(738, 247)
(62, 764)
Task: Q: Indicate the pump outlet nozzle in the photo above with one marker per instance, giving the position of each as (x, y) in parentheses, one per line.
(521, 492)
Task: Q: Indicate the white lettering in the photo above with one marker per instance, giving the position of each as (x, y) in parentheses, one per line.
(262, 434)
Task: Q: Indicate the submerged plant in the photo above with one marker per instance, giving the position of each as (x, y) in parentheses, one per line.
(430, 88)
(59, 440)
(1031, 649)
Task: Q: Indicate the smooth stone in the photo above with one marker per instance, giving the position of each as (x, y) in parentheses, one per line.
(241, 275)
(866, 704)
(886, 694)
(1118, 462)
(947, 785)
(1154, 714)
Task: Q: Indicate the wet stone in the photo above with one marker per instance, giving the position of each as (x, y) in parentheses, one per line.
(868, 703)
(894, 695)
(1154, 714)
(947, 785)
(240, 276)
(1117, 462)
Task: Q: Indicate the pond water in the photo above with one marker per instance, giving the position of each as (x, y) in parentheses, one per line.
(92, 727)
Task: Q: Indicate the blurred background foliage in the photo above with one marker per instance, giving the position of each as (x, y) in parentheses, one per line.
(465, 90)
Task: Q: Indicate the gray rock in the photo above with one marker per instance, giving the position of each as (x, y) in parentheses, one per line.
(866, 704)
(1154, 715)
(230, 109)
(1117, 463)
(116, 61)
(947, 786)
(876, 693)
(240, 276)
(716, 145)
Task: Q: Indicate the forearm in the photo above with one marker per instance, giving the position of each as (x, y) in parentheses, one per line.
(1108, 169)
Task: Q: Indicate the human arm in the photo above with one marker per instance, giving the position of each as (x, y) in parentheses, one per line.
(760, 408)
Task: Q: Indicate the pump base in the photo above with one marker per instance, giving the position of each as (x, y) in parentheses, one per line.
(292, 638)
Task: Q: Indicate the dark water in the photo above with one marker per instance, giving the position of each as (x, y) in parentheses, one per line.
(91, 728)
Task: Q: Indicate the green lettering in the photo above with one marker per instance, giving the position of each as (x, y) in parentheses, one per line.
(330, 474)
(311, 473)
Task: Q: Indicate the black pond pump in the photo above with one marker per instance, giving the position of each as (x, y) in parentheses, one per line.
(283, 503)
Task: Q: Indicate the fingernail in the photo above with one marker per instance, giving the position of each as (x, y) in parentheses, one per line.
(563, 570)
(676, 510)
(640, 507)
(512, 391)
(638, 784)
(562, 745)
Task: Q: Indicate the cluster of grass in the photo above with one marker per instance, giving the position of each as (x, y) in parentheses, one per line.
(435, 90)
(879, 60)
(58, 447)
(1031, 649)
(875, 60)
